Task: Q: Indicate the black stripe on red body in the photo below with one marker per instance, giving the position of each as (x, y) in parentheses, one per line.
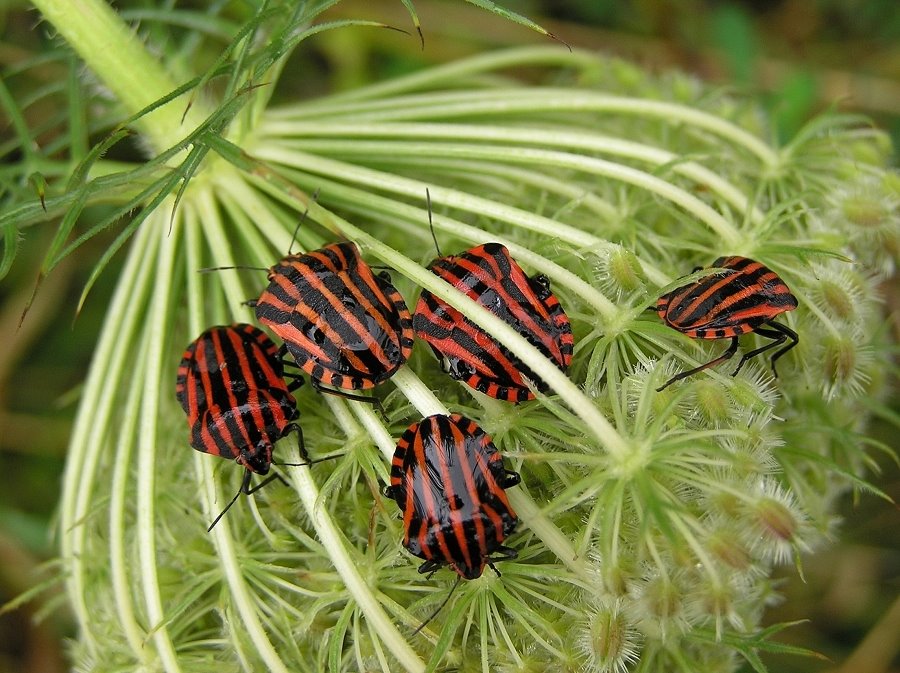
(727, 304)
(343, 325)
(448, 479)
(746, 297)
(490, 276)
(231, 385)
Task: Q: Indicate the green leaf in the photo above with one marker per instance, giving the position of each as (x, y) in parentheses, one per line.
(79, 175)
(415, 19)
(17, 119)
(220, 65)
(747, 644)
(10, 248)
(189, 598)
(336, 636)
(822, 124)
(332, 25)
(230, 152)
(39, 182)
(50, 257)
(189, 168)
(31, 593)
(817, 458)
(77, 117)
(659, 509)
(802, 251)
(515, 18)
(164, 191)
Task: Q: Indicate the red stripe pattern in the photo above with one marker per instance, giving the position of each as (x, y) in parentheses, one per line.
(490, 276)
(745, 297)
(735, 302)
(231, 385)
(448, 479)
(343, 325)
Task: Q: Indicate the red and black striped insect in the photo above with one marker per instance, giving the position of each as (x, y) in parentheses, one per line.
(343, 325)
(746, 297)
(448, 479)
(231, 385)
(490, 276)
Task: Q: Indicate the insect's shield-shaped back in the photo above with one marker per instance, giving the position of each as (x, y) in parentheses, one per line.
(648, 523)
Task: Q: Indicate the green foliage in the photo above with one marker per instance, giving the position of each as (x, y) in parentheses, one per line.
(650, 522)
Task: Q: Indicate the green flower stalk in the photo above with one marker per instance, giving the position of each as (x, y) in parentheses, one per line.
(650, 522)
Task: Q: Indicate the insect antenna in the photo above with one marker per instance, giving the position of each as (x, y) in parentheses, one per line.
(440, 607)
(310, 462)
(245, 488)
(431, 222)
(227, 507)
(210, 269)
(315, 197)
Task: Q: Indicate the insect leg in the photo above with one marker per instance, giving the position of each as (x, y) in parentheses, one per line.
(374, 401)
(286, 361)
(790, 334)
(505, 554)
(541, 286)
(779, 334)
(265, 482)
(430, 567)
(301, 447)
(295, 383)
(510, 478)
(732, 349)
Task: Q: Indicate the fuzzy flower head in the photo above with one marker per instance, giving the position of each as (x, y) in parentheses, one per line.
(777, 529)
(646, 520)
(869, 211)
(607, 640)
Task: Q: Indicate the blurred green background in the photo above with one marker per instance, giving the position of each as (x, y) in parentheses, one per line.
(799, 56)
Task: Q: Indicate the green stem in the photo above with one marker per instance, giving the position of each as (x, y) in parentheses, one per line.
(380, 180)
(549, 533)
(506, 103)
(113, 51)
(331, 539)
(457, 70)
(571, 394)
(328, 534)
(205, 211)
(118, 552)
(367, 150)
(157, 332)
(545, 137)
(89, 436)
(458, 169)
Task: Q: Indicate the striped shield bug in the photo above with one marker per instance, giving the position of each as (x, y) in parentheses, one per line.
(746, 297)
(343, 325)
(490, 276)
(231, 385)
(448, 479)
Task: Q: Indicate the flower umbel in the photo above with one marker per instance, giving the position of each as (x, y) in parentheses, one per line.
(649, 521)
